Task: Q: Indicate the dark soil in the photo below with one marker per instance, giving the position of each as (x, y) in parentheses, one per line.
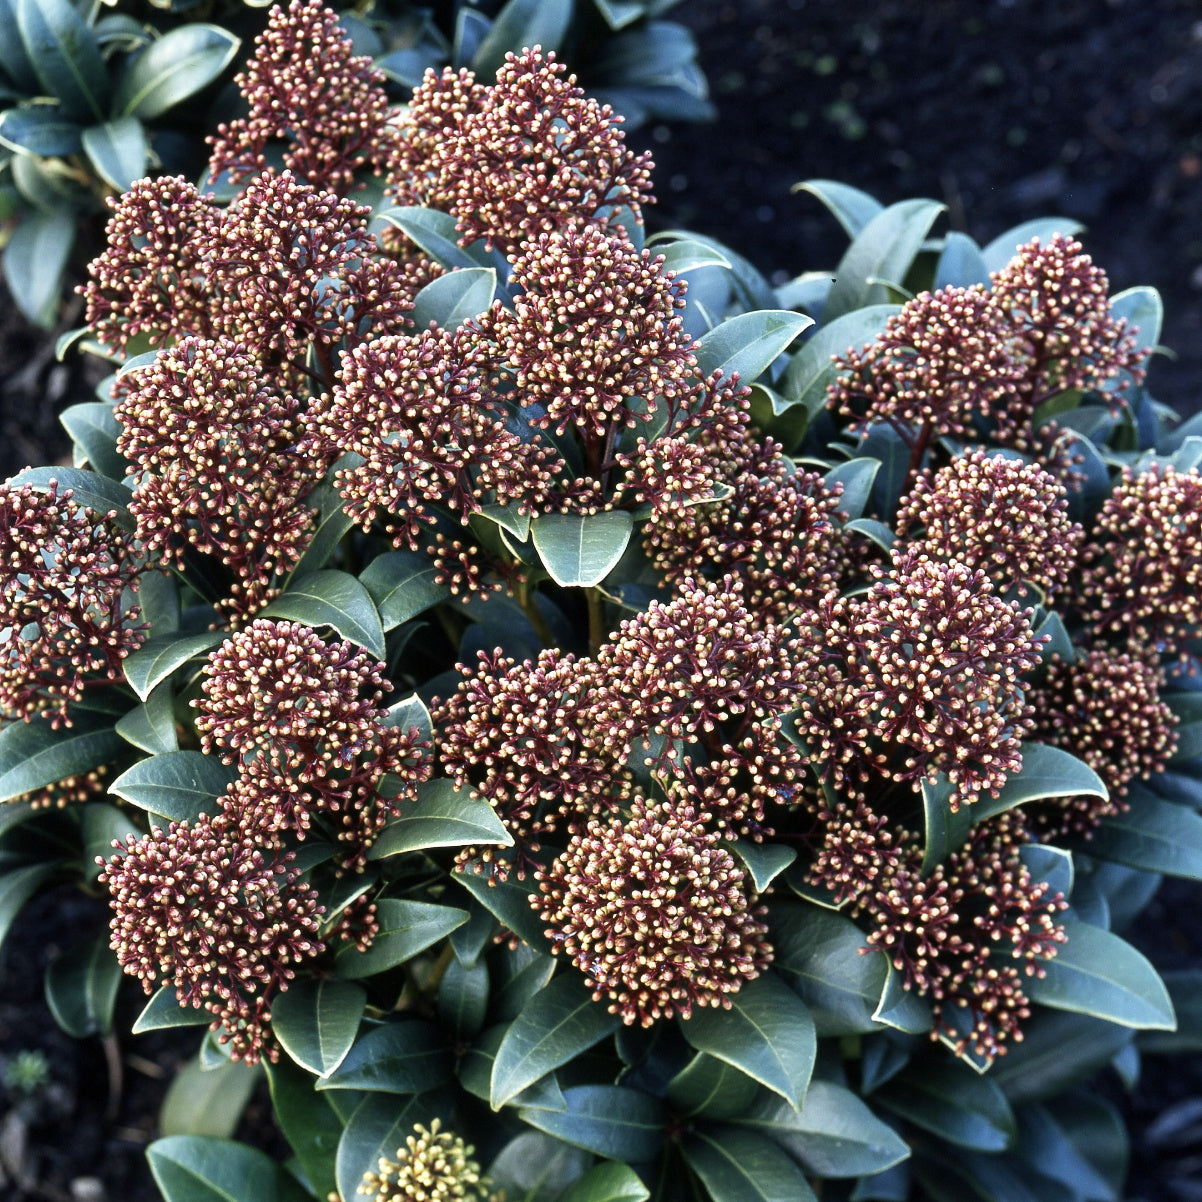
(1091, 109)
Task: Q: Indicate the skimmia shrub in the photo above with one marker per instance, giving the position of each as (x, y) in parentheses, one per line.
(584, 723)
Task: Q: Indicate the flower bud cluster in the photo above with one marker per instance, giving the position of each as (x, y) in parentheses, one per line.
(433, 1166)
(301, 719)
(200, 907)
(65, 619)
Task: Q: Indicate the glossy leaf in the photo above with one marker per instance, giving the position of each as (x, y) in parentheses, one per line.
(508, 901)
(403, 585)
(1003, 248)
(398, 1057)
(534, 1165)
(1154, 835)
(150, 726)
(953, 1102)
(522, 23)
(452, 299)
(163, 1011)
(961, 264)
(442, 816)
(580, 550)
(556, 1025)
(811, 370)
(767, 1034)
(764, 861)
(406, 928)
(377, 1127)
(333, 522)
(1143, 310)
(749, 344)
(900, 1008)
(81, 988)
(741, 1166)
(17, 886)
(884, 249)
(834, 1134)
(35, 258)
(195, 1168)
(609, 1120)
(94, 430)
(118, 151)
(823, 956)
(335, 599)
(64, 56)
(528, 972)
(608, 1182)
(710, 1088)
(207, 1099)
(1099, 974)
(475, 1075)
(172, 68)
(32, 756)
(158, 657)
(40, 129)
(850, 207)
(433, 231)
(308, 1122)
(316, 1021)
(463, 998)
(178, 785)
(856, 478)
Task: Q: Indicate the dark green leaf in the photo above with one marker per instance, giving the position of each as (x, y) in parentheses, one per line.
(403, 585)
(163, 1010)
(1050, 1146)
(433, 232)
(883, 250)
(823, 956)
(17, 886)
(452, 299)
(856, 477)
(556, 1025)
(309, 1123)
(1003, 248)
(64, 56)
(151, 726)
(463, 998)
(34, 261)
(1153, 835)
(208, 1097)
(833, 1135)
(378, 1127)
(332, 524)
(94, 430)
(316, 1021)
(475, 1075)
(580, 550)
(100, 826)
(40, 129)
(198, 1168)
(402, 1057)
(508, 901)
(1046, 772)
(952, 1102)
(178, 785)
(608, 1182)
(1098, 973)
(95, 492)
(709, 1088)
(684, 253)
(609, 1120)
(117, 150)
(410, 713)
(158, 657)
(335, 599)
(81, 988)
(741, 1166)
(764, 861)
(442, 816)
(533, 1165)
(1143, 310)
(406, 928)
(961, 264)
(522, 23)
(749, 344)
(1185, 992)
(1051, 864)
(176, 66)
(528, 973)
(850, 207)
(33, 756)
(767, 1034)
(811, 370)
(900, 1008)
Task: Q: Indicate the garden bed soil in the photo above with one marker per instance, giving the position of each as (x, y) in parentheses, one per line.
(1002, 110)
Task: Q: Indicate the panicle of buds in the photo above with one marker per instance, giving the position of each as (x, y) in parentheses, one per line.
(221, 470)
(655, 912)
(1143, 575)
(1107, 710)
(64, 619)
(331, 121)
(594, 329)
(682, 668)
(433, 1166)
(938, 363)
(1055, 301)
(518, 158)
(420, 412)
(858, 851)
(540, 740)
(199, 907)
(301, 718)
(998, 515)
(776, 532)
(151, 279)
